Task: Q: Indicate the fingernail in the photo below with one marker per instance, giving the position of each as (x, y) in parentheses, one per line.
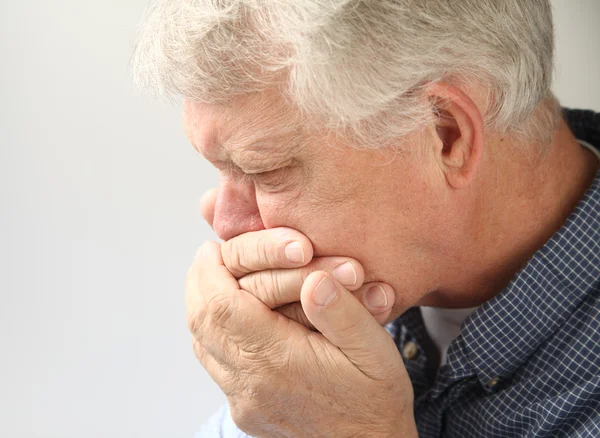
(376, 297)
(345, 274)
(325, 292)
(294, 252)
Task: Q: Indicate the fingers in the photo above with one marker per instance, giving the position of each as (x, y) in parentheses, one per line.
(277, 287)
(208, 284)
(207, 280)
(207, 205)
(378, 299)
(220, 313)
(276, 248)
(347, 324)
(369, 295)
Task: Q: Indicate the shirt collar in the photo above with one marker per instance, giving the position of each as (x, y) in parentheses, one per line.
(505, 331)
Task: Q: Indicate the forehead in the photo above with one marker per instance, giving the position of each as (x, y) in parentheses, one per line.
(249, 124)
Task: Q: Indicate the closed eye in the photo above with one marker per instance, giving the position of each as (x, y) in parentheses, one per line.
(272, 181)
(242, 177)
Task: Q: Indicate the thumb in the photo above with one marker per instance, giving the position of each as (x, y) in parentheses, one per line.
(345, 322)
(207, 205)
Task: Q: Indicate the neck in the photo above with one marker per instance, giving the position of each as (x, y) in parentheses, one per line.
(525, 203)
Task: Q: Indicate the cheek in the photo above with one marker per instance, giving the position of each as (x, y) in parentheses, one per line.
(334, 228)
(279, 210)
(329, 207)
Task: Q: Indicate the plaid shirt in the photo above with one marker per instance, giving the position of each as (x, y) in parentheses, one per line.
(527, 362)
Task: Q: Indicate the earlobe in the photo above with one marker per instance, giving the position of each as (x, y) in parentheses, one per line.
(459, 131)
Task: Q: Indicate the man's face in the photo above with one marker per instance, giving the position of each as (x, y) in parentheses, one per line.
(376, 206)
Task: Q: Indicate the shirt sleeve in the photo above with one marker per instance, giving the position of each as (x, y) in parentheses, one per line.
(221, 425)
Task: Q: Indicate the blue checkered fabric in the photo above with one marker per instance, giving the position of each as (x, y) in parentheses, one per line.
(527, 362)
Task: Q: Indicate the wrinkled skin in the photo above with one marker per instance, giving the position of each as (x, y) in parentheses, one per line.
(277, 373)
(363, 204)
(447, 225)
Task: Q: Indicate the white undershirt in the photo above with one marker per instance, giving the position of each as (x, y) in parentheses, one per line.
(443, 325)
(590, 148)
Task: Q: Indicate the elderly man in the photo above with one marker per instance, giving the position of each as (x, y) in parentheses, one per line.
(397, 163)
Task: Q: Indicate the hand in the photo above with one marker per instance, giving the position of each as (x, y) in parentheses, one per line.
(282, 379)
(259, 261)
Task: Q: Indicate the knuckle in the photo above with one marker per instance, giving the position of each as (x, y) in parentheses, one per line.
(254, 251)
(204, 247)
(199, 265)
(230, 253)
(268, 286)
(242, 255)
(263, 282)
(260, 284)
(273, 286)
(221, 307)
(266, 254)
(262, 351)
(203, 251)
(236, 255)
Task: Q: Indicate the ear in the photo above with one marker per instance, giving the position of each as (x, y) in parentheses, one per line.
(458, 133)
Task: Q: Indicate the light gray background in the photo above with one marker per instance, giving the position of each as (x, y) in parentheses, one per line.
(99, 222)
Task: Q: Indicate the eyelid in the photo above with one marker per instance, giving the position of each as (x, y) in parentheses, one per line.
(240, 176)
(272, 180)
(267, 169)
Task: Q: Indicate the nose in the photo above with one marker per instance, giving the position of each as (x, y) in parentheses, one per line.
(236, 210)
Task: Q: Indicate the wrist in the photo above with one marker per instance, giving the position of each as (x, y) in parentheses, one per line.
(404, 429)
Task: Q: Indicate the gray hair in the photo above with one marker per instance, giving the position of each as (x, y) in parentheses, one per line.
(358, 66)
